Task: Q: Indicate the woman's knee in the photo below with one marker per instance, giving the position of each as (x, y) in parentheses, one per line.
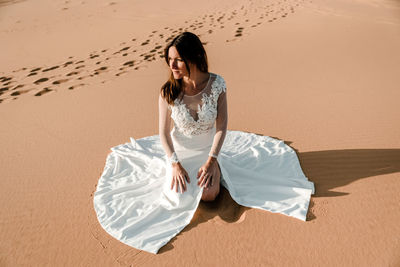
(210, 195)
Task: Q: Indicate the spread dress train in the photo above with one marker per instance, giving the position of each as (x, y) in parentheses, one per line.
(134, 202)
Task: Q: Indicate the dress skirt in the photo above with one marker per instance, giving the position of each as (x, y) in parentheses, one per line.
(134, 202)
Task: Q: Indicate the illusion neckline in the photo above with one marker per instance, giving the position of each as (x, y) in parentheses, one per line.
(209, 79)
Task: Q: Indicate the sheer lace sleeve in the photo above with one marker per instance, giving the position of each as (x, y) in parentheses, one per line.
(221, 123)
(164, 126)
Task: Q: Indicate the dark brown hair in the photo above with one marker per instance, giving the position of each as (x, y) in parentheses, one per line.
(190, 50)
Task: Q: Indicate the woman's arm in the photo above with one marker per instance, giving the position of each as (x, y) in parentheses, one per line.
(207, 172)
(179, 174)
(221, 126)
(164, 123)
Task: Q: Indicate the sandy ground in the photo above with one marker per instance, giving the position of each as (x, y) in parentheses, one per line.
(79, 77)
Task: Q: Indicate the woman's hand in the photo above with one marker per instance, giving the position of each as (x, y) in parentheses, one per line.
(179, 175)
(207, 172)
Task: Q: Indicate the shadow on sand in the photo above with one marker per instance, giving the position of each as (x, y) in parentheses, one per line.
(335, 168)
(328, 170)
(223, 207)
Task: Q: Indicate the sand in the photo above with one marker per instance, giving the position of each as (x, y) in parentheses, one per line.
(321, 75)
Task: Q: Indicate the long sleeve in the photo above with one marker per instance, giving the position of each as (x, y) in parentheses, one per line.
(164, 125)
(221, 124)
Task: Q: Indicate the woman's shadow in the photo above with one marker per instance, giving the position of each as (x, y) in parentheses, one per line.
(222, 210)
(328, 170)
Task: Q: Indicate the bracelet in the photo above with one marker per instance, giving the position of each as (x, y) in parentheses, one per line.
(213, 155)
(174, 158)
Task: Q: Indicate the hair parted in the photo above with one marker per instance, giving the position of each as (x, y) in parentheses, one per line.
(191, 50)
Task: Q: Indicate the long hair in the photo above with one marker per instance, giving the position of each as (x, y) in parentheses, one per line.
(190, 50)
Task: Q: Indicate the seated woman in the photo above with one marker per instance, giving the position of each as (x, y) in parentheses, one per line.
(151, 187)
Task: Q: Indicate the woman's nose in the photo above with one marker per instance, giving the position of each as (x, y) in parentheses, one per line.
(173, 64)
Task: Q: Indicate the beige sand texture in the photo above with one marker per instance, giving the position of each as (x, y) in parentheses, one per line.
(79, 77)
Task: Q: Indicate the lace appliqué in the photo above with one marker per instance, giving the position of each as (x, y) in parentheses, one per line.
(174, 158)
(207, 113)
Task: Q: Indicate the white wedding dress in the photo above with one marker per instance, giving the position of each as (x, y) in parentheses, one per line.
(134, 202)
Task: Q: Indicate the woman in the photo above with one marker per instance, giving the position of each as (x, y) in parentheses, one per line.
(147, 193)
(189, 80)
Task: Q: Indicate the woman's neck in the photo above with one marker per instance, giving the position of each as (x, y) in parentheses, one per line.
(196, 81)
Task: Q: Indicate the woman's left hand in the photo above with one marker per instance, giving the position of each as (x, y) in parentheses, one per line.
(207, 172)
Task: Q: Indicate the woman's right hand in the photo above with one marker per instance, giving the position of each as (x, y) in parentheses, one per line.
(179, 175)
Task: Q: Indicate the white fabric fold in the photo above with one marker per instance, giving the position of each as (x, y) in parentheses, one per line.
(134, 203)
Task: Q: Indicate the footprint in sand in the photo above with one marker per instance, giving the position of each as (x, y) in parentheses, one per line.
(120, 73)
(100, 70)
(84, 77)
(61, 81)
(149, 57)
(72, 73)
(129, 63)
(239, 32)
(44, 91)
(41, 80)
(75, 86)
(125, 48)
(146, 42)
(240, 19)
(52, 68)
(68, 63)
(18, 86)
(19, 92)
(5, 79)
(15, 93)
(2, 90)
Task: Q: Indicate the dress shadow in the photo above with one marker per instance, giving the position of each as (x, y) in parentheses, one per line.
(223, 209)
(331, 169)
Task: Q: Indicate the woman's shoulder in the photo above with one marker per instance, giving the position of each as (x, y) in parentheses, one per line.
(217, 76)
(219, 81)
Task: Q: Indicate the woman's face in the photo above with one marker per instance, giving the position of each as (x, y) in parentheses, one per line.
(176, 63)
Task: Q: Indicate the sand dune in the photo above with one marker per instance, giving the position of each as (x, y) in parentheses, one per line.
(79, 77)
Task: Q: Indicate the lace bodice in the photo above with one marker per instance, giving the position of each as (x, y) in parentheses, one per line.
(194, 115)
